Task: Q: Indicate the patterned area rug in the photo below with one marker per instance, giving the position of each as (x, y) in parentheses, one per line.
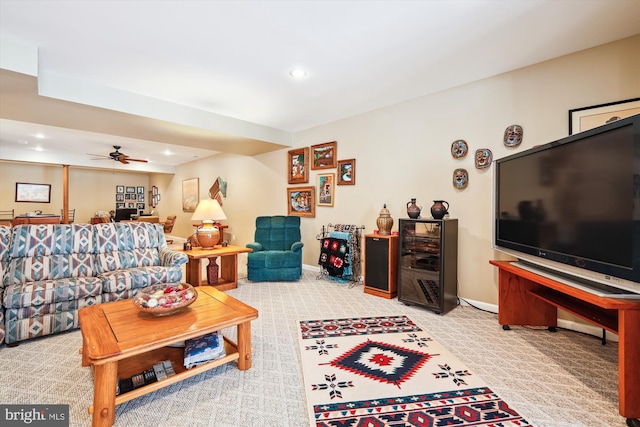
(387, 371)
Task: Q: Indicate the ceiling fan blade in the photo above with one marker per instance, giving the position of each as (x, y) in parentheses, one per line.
(117, 156)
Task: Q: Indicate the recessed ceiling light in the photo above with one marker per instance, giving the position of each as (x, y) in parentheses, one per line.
(298, 73)
(39, 135)
(23, 141)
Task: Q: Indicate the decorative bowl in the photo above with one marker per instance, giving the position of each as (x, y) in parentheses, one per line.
(165, 299)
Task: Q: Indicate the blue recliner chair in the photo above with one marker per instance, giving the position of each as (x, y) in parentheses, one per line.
(277, 250)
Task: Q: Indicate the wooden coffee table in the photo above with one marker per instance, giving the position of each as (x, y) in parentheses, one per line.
(119, 341)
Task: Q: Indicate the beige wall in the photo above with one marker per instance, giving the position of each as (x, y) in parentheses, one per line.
(403, 151)
(90, 190)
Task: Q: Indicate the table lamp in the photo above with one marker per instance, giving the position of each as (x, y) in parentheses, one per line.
(208, 211)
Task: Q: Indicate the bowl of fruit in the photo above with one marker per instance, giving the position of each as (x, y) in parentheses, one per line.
(165, 299)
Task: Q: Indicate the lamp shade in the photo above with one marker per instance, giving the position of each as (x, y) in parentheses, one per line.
(208, 211)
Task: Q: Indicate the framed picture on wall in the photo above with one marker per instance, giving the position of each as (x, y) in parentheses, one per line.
(585, 118)
(190, 194)
(140, 190)
(119, 188)
(130, 189)
(301, 201)
(347, 172)
(323, 156)
(298, 165)
(33, 193)
(326, 188)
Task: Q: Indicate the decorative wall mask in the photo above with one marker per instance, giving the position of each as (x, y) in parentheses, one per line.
(513, 135)
(484, 157)
(459, 149)
(460, 178)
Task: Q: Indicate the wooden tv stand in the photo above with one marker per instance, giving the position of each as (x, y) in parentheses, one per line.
(526, 298)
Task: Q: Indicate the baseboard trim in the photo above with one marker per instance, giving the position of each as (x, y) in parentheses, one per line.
(562, 323)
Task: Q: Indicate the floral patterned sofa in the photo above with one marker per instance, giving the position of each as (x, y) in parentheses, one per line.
(49, 272)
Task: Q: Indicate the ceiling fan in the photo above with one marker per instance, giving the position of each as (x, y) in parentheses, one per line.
(118, 156)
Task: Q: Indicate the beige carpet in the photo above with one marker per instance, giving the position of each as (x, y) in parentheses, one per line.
(561, 379)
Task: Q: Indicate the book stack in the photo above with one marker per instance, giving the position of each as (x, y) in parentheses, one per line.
(159, 372)
(206, 348)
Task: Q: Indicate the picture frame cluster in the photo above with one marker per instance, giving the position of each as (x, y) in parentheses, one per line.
(301, 201)
(130, 197)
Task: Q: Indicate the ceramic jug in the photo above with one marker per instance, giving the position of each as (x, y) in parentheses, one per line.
(413, 210)
(438, 210)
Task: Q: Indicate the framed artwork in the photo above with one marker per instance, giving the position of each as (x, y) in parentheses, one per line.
(323, 156)
(130, 189)
(326, 189)
(298, 164)
(33, 193)
(140, 190)
(190, 194)
(119, 197)
(347, 172)
(301, 201)
(119, 205)
(119, 188)
(585, 118)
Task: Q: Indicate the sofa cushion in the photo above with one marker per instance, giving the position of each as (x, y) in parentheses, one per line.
(275, 259)
(47, 252)
(277, 232)
(14, 314)
(127, 245)
(139, 277)
(51, 291)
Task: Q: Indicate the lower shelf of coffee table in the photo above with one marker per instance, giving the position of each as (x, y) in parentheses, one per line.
(134, 365)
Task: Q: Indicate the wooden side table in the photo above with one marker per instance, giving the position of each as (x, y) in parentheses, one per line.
(228, 266)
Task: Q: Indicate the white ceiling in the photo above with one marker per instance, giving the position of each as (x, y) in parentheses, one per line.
(230, 59)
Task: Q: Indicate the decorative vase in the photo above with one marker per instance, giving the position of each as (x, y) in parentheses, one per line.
(438, 210)
(384, 222)
(413, 210)
(207, 235)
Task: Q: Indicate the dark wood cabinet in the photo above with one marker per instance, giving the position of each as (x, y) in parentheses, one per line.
(428, 263)
(380, 261)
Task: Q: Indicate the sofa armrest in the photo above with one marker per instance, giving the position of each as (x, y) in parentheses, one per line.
(257, 247)
(171, 258)
(296, 246)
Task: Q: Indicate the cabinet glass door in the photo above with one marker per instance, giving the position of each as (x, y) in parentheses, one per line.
(420, 262)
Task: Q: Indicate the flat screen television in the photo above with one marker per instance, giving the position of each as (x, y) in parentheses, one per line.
(571, 208)
(124, 213)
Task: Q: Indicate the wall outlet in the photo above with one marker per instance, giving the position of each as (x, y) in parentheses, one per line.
(233, 237)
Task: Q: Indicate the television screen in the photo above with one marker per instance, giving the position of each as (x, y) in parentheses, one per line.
(575, 201)
(125, 214)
